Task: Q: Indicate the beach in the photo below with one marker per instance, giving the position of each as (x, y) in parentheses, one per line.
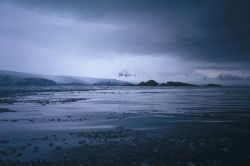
(95, 125)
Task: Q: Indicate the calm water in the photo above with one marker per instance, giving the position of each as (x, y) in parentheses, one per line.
(126, 99)
(125, 125)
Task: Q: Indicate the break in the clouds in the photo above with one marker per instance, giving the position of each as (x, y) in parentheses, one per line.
(160, 39)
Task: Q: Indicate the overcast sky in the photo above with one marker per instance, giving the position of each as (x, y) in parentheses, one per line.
(134, 40)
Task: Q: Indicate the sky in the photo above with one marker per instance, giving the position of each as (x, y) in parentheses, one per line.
(135, 40)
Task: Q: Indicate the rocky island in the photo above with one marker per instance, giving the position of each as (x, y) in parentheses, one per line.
(148, 83)
(213, 85)
(170, 83)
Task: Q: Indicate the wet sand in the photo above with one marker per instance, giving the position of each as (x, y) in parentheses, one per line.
(134, 139)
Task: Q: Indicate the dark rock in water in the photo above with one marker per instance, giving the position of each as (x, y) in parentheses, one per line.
(190, 163)
(213, 85)
(51, 144)
(2, 110)
(149, 83)
(163, 84)
(4, 141)
(171, 83)
(19, 154)
(71, 100)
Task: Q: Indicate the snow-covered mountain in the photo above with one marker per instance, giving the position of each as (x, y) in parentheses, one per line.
(20, 78)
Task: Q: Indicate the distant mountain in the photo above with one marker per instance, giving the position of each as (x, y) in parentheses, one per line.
(213, 85)
(73, 80)
(148, 83)
(8, 78)
(171, 83)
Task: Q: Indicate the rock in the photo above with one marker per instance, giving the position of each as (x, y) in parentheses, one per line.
(190, 163)
(225, 149)
(145, 163)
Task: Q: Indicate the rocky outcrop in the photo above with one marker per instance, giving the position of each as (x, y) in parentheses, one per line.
(149, 83)
(213, 85)
(171, 83)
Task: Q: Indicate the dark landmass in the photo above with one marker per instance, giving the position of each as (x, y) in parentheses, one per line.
(72, 84)
(2, 110)
(213, 85)
(142, 83)
(163, 84)
(171, 83)
(149, 83)
(19, 81)
(12, 78)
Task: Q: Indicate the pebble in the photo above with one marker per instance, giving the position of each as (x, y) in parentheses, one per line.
(225, 149)
(190, 163)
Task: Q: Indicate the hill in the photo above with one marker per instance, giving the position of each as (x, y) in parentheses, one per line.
(12, 78)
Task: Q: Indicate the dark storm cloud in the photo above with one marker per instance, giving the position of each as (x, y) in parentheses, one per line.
(212, 30)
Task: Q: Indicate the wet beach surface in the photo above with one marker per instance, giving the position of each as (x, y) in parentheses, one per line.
(124, 126)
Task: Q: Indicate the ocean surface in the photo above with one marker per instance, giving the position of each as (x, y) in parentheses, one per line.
(76, 124)
(126, 99)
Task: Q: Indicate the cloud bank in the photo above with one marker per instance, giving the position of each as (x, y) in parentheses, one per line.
(160, 38)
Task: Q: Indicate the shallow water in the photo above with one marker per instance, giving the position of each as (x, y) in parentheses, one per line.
(128, 99)
(40, 122)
